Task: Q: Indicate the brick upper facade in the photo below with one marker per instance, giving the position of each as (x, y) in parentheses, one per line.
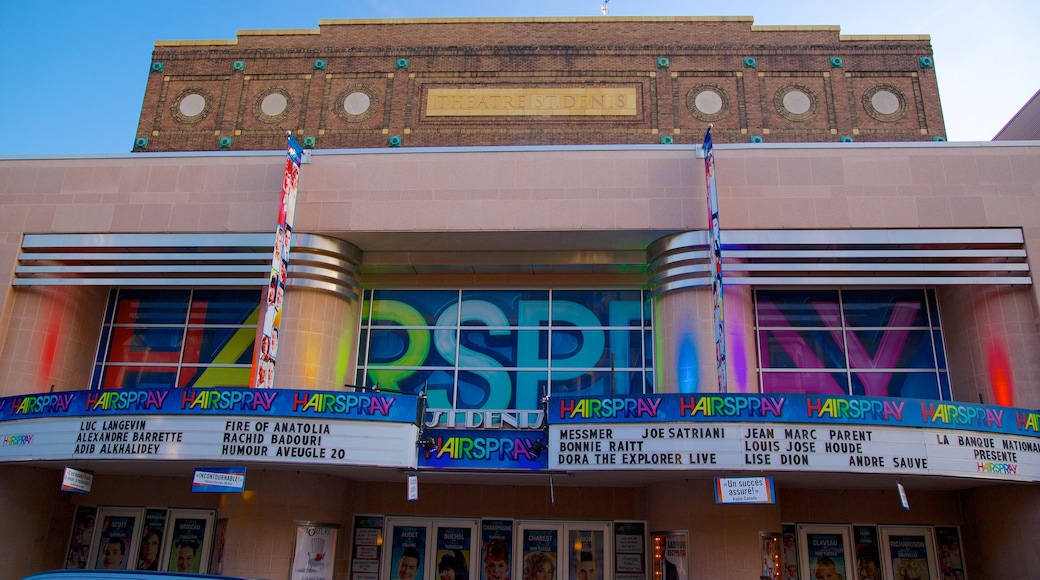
(535, 81)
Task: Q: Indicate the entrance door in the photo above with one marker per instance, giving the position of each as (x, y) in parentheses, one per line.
(564, 551)
(422, 549)
(824, 553)
(909, 552)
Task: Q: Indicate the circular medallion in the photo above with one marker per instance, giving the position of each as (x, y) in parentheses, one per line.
(795, 103)
(355, 103)
(885, 103)
(707, 102)
(191, 105)
(273, 105)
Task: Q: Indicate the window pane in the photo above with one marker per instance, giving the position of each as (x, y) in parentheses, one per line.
(414, 308)
(920, 385)
(805, 383)
(890, 349)
(146, 345)
(152, 306)
(501, 389)
(208, 377)
(801, 349)
(504, 307)
(780, 308)
(598, 307)
(410, 347)
(225, 307)
(582, 384)
(503, 348)
(219, 345)
(880, 308)
(143, 377)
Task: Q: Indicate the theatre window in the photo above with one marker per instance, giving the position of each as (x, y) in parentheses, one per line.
(177, 338)
(874, 342)
(506, 349)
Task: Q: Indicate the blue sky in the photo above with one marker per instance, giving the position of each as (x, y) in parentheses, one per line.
(73, 72)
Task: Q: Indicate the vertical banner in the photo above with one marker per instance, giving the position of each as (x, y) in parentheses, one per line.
(151, 539)
(267, 355)
(314, 551)
(80, 537)
(868, 555)
(540, 548)
(408, 545)
(772, 566)
(216, 563)
(790, 551)
(496, 541)
(948, 542)
(715, 239)
(453, 552)
(368, 541)
(629, 551)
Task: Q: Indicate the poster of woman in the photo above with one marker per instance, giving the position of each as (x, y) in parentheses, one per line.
(453, 553)
(909, 557)
(826, 556)
(188, 536)
(540, 554)
(496, 540)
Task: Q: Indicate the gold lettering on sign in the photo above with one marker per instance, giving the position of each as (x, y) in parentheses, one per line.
(531, 102)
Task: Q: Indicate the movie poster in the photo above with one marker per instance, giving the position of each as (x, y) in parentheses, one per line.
(789, 554)
(948, 544)
(826, 555)
(408, 545)
(115, 542)
(586, 557)
(151, 540)
(909, 555)
(453, 553)
(367, 549)
(675, 562)
(540, 547)
(868, 554)
(187, 538)
(78, 553)
(496, 541)
(314, 551)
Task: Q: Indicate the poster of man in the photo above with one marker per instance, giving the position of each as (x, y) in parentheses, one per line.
(586, 557)
(408, 553)
(115, 542)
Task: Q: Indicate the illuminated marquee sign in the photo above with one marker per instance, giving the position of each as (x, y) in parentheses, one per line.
(795, 433)
(460, 449)
(212, 425)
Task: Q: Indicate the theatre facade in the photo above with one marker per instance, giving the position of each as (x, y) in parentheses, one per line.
(382, 360)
